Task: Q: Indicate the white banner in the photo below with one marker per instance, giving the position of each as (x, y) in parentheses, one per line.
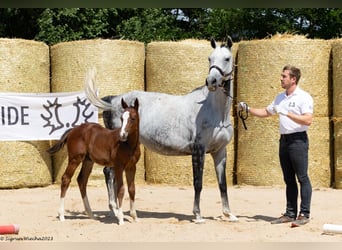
(30, 116)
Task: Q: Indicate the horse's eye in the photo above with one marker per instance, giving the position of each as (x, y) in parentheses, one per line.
(209, 59)
(227, 59)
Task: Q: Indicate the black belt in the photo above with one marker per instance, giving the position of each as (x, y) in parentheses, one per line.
(293, 135)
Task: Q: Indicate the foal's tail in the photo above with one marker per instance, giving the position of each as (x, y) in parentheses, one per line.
(91, 91)
(59, 145)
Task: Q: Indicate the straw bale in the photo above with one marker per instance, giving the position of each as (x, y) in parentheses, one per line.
(24, 67)
(177, 170)
(260, 63)
(257, 156)
(120, 68)
(337, 77)
(178, 68)
(338, 152)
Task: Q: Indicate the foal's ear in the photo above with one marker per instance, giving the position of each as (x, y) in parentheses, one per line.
(123, 104)
(136, 104)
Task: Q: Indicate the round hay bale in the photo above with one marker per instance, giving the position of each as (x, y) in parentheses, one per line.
(24, 68)
(120, 68)
(338, 153)
(258, 156)
(260, 63)
(178, 68)
(337, 77)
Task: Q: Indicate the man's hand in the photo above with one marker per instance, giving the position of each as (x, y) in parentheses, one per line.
(242, 106)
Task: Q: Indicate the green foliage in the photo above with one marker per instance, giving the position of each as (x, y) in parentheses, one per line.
(57, 25)
(155, 24)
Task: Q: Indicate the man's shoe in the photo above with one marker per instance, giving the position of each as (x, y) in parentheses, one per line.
(301, 220)
(282, 219)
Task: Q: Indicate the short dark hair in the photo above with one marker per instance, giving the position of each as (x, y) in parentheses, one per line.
(294, 71)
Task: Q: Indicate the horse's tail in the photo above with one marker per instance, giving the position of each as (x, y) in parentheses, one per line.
(91, 92)
(60, 144)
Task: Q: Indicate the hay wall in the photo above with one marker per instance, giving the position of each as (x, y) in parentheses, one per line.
(337, 110)
(338, 153)
(120, 68)
(24, 67)
(259, 66)
(178, 68)
(336, 48)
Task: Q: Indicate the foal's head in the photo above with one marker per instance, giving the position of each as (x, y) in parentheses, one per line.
(129, 120)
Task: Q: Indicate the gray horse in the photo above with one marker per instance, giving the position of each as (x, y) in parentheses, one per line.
(193, 124)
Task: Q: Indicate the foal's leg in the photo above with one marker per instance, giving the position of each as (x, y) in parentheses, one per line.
(219, 158)
(111, 189)
(66, 179)
(198, 154)
(121, 192)
(130, 177)
(82, 180)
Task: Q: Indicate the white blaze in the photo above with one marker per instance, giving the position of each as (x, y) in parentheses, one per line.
(123, 133)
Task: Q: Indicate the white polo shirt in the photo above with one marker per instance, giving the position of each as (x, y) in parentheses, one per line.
(300, 102)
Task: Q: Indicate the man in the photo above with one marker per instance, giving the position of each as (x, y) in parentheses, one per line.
(295, 110)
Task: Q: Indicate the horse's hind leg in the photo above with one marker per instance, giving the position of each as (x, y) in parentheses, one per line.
(130, 177)
(82, 180)
(111, 189)
(65, 182)
(198, 154)
(220, 167)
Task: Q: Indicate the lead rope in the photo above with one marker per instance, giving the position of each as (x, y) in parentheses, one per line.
(243, 116)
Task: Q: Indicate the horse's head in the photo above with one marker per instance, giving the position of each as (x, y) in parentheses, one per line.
(129, 120)
(221, 65)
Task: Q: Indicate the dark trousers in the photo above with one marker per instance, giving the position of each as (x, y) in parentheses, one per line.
(293, 155)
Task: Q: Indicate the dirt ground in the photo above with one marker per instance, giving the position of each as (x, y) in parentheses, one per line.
(165, 214)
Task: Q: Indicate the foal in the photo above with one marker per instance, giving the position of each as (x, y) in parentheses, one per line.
(118, 149)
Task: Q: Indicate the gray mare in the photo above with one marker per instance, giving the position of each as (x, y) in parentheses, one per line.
(193, 124)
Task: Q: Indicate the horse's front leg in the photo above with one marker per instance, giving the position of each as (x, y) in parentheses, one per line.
(120, 193)
(130, 176)
(111, 189)
(220, 159)
(198, 155)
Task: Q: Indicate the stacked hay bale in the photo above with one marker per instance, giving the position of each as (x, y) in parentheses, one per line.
(337, 111)
(259, 66)
(24, 68)
(120, 68)
(178, 68)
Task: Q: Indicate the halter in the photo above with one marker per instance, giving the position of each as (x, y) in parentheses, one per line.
(226, 82)
(226, 89)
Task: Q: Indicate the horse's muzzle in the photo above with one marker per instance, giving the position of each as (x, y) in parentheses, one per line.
(211, 85)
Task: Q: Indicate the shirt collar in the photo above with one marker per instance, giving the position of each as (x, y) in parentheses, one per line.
(295, 92)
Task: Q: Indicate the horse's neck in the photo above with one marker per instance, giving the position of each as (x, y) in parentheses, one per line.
(220, 102)
(133, 139)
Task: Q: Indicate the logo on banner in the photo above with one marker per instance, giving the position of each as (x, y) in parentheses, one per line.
(53, 121)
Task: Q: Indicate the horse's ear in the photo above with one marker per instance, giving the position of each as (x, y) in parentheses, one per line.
(136, 104)
(213, 43)
(123, 104)
(229, 42)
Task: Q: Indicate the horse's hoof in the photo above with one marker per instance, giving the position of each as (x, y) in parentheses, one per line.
(121, 223)
(232, 217)
(199, 221)
(61, 218)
